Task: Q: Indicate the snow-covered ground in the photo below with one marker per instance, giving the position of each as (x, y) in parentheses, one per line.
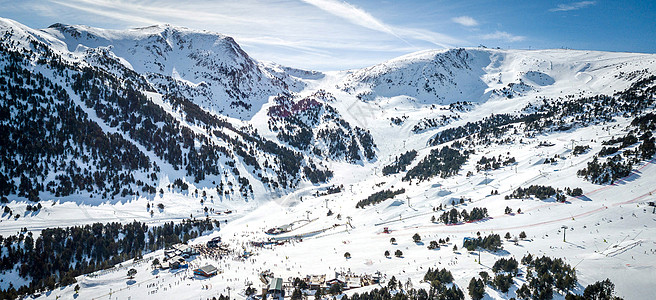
(611, 235)
(611, 230)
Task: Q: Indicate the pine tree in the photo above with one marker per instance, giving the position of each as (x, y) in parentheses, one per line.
(319, 294)
(398, 253)
(131, 273)
(433, 245)
(297, 295)
(476, 288)
(416, 238)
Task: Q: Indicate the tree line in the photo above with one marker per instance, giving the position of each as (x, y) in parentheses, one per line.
(58, 255)
(378, 197)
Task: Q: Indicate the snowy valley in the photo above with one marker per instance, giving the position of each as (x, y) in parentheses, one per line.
(119, 145)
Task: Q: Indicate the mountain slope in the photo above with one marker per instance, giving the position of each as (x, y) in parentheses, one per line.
(100, 116)
(208, 68)
(124, 126)
(475, 75)
(161, 92)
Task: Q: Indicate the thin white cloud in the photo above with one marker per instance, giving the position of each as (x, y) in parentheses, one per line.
(465, 21)
(321, 47)
(293, 32)
(108, 13)
(432, 37)
(159, 13)
(351, 13)
(504, 36)
(572, 6)
(278, 42)
(362, 18)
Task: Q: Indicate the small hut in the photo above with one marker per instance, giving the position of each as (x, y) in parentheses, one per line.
(206, 271)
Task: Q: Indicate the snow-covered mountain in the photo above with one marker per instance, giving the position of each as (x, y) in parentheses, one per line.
(477, 75)
(164, 101)
(208, 68)
(104, 123)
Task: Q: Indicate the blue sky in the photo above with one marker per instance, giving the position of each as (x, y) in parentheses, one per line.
(335, 35)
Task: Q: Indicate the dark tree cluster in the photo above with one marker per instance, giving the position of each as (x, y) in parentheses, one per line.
(491, 242)
(400, 163)
(434, 292)
(59, 146)
(430, 123)
(455, 217)
(333, 189)
(575, 192)
(58, 255)
(476, 288)
(316, 175)
(50, 128)
(578, 149)
(442, 276)
(494, 163)
(539, 191)
(600, 290)
(378, 197)
(437, 278)
(318, 128)
(502, 282)
(366, 142)
(624, 141)
(619, 165)
(444, 162)
(129, 110)
(607, 172)
(494, 125)
(509, 265)
(398, 121)
(546, 275)
(557, 115)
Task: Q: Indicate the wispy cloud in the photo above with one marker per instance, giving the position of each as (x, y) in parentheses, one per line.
(465, 21)
(572, 6)
(326, 34)
(145, 14)
(113, 14)
(363, 18)
(504, 36)
(351, 13)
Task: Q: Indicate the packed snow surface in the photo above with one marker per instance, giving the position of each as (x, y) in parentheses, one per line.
(611, 231)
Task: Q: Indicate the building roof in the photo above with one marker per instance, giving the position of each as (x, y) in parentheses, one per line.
(354, 282)
(275, 284)
(181, 247)
(335, 280)
(317, 279)
(285, 227)
(208, 269)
